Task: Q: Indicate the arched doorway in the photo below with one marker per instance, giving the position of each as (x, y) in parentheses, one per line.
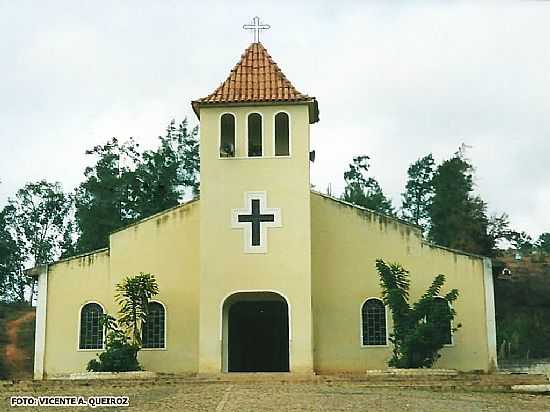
(255, 334)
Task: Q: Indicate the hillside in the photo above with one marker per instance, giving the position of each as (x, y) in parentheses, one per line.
(523, 307)
(16, 341)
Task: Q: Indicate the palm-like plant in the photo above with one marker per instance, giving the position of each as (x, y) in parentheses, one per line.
(133, 295)
(418, 335)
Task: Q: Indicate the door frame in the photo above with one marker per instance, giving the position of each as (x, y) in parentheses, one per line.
(249, 295)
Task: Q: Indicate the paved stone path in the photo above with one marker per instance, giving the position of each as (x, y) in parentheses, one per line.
(266, 396)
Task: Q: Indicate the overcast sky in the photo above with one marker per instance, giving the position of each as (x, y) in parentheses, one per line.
(394, 80)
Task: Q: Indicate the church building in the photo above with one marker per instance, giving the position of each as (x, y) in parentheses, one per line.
(261, 273)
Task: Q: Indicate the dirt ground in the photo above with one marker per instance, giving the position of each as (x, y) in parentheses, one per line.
(14, 356)
(266, 396)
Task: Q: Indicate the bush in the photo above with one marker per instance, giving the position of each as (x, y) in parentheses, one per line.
(119, 356)
(123, 340)
(523, 315)
(420, 331)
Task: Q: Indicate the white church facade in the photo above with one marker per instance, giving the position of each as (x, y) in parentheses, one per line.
(260, 273)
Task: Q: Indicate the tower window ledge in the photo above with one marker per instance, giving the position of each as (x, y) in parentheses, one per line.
(253, 157)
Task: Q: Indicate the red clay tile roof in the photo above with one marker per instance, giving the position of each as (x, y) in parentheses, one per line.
(255, 78)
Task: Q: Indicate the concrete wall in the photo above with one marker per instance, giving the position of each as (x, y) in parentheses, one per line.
(346, 241)
(199, 261)
(534, 366)
(165, 245)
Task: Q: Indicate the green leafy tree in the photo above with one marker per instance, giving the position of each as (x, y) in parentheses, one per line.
(125, 185)
(37, 219)
(499, 228)
(458, 218)
(133, 296)
(522, 242)
(419, 192)
(419, 330)
(543, 244)
(363, 190)
(164, 175)
(11, 264)
(103, 201)
(69, 242)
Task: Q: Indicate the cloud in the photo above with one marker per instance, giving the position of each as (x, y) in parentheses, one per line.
(394, 80)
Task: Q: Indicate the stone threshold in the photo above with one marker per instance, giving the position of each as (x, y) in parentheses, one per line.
(531, 388)
(134, 375)
(411, 372)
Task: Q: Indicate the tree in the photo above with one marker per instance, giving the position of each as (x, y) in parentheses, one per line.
(365, 191)
(37, 219)
(419, 192)
(458, 218)
(133, 296)
(125, 185)
(522, 242)
(11, 264)
(69, 242)
(103, 201)
(420, 330)
(123, 340)
(543, 244)
(163, 175)
(499, 228)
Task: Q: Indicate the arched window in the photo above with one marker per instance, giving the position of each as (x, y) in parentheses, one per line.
(91, 331)
(373, 314)
(254, 135)
(282, 134)
(227, 135)
(154, 328)
(442, 307)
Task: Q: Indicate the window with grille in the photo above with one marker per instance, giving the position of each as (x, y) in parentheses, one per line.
(255, 135)
(282, 133)
(445, 328)
(91, 331)
(374, 322)
(154, 328)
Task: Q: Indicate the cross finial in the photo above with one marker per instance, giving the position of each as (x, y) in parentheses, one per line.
(256, 26)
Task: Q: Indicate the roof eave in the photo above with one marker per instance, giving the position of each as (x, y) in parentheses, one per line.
(312, 103)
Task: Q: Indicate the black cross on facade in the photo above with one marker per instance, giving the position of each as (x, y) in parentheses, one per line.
(255, 219)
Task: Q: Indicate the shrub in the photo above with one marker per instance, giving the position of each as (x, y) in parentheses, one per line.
(420, 330)
(120, 354)
(123, 340)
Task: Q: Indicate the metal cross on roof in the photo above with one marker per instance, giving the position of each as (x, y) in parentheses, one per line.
(256, 26)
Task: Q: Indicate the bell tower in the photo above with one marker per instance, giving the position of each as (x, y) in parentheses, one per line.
(255, 236)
